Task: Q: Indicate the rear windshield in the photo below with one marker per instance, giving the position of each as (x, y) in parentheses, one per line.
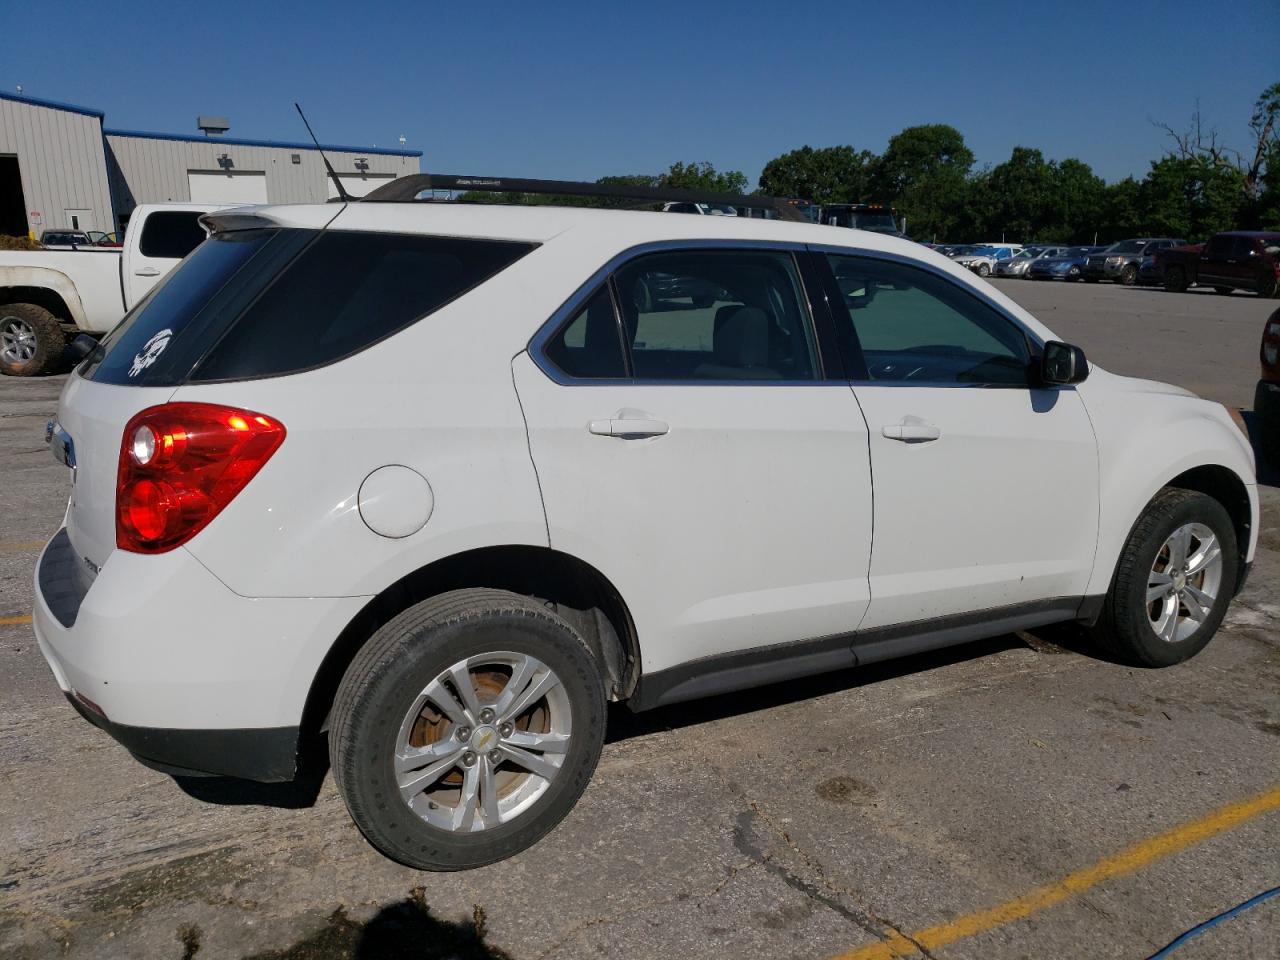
(263, 303)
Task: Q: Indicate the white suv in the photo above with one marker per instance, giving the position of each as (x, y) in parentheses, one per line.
(442, 480)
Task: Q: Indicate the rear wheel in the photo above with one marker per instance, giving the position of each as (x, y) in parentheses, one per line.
(1175, 279)
(1073, 273)
(466, 728)
(1129, 275)
(1175, 577)
(31, 340)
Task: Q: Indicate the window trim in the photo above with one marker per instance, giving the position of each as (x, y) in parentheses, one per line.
(578, 299)
(858, 373)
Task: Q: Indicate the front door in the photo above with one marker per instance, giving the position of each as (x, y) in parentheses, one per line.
(692, 445)
(986, 486)
(166, 236)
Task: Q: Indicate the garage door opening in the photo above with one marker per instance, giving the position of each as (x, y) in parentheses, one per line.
(13, 206)
(224, 186)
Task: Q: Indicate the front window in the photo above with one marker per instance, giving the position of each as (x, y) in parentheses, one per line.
(875, 220)
(914, 326)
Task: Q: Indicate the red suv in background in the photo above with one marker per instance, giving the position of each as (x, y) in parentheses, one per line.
(1266, 398)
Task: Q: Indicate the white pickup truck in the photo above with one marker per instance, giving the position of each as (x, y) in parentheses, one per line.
(47, 295)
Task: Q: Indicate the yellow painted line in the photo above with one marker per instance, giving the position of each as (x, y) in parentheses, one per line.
(1127, 861)
(21, 547)
(14, 621)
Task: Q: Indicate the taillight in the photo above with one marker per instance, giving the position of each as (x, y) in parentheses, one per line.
(180, 464)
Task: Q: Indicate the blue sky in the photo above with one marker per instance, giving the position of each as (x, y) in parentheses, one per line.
(579, 90)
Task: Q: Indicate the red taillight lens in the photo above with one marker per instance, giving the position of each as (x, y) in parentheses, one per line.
(180, 464)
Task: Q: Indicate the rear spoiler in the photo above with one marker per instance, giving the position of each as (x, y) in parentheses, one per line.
(224, 221)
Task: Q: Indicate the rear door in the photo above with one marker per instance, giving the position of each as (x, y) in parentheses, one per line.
(166, 236)
(986, 493)
(694, 443)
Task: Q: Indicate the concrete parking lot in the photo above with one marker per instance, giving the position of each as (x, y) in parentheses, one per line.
(1016, 797)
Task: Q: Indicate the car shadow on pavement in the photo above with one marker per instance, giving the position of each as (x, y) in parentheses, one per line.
(297, 794)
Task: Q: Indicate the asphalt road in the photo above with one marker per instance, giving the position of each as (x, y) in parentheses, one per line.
(1018, 797)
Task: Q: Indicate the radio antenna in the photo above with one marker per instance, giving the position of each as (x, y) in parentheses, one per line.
(342, 191)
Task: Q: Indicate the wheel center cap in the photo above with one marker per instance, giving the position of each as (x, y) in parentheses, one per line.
(1179, 581)
(484, 739)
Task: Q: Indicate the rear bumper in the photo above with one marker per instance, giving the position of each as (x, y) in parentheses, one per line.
(182, 671)
(267, 755)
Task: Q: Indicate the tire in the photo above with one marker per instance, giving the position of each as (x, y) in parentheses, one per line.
(1126, 628)
(1266, 407)
(1268, 286)
(31, 340)
(1073, 273)
(983, 270)
(1175, 279)
(1129, 275)
(1222, 291)
(403, 663)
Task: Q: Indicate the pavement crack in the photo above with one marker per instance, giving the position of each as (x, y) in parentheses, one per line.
(863, 917)
(579, 928)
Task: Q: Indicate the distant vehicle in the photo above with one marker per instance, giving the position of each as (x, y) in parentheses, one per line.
(65, 239)
(100, 238)
(1266, 398)
(1236, 260)
(704, 209)
(1120, 261)
(1067, 266)
(983, 259)
(47, 297)
(876, 217)
(1021, 262)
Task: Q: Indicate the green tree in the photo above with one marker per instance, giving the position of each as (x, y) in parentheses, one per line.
(825, 175)
(924, 173)
(1022, 196)
(1122, 211)
(1080, 197)
(703, 176)
(1191, 197)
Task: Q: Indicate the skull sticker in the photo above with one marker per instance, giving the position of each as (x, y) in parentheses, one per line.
(150, 352)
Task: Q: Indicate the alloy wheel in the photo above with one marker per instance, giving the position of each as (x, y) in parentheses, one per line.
(1184, 582)
(483, 741)
(17, 340)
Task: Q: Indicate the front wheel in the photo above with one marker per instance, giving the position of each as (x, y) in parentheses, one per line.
(1176, 575)
(1129, 275)
(984, 270)
(1073, 273)
(466, 728)
(1269, 285)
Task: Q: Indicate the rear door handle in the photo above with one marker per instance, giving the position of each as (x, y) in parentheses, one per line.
(147, 272)
(629, 428)
(911, 432)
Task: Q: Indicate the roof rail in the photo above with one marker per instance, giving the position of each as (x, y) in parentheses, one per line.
(404, 189)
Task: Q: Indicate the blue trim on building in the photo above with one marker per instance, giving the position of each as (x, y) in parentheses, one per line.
(279, 144)
(52, 104)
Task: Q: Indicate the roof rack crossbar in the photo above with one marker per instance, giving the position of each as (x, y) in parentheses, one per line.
(404, 189)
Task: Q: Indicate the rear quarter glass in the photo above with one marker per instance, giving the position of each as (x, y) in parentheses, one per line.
(346, 291)
(158, 341)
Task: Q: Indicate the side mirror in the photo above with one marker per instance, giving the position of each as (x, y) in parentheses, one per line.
(1062, 363)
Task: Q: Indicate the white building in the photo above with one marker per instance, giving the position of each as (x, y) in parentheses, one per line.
(60, 167)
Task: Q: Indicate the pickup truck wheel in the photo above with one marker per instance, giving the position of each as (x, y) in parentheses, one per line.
(1175, 279)
(1129, 275)
(1176, 575)
(466, 728)
(1268, 286)
(31, 340)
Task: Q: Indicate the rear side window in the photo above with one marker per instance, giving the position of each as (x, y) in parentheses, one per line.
(171, 234)
(345, 292)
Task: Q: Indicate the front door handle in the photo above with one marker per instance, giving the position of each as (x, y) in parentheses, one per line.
(629, 428)
(909, 431)
(147, 272)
